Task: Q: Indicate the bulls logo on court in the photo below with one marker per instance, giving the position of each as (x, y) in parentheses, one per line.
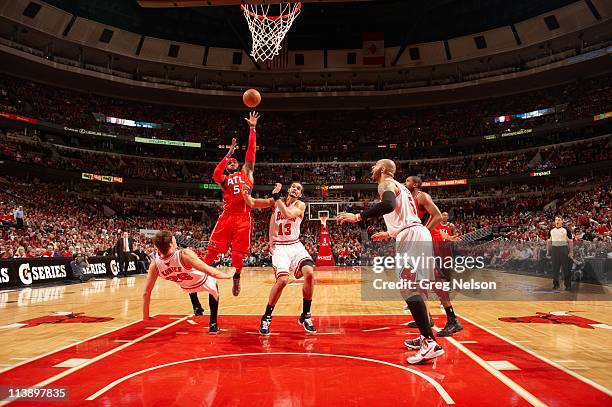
(557, 317)
(60, 318)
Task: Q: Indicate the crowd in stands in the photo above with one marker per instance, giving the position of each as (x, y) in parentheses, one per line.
(29, 150)
(274, 153)
(523, 248)
(60, 220)
(588, 210)
(410, 128)
(86, 224)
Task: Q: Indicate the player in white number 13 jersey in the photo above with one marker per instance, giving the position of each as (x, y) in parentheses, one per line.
(288, 254)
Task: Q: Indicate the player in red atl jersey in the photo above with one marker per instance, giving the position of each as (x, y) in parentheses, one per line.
(430, 216)
(234, 227)
(447, 229)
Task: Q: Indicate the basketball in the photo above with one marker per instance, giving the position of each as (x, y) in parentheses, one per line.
(251, 98)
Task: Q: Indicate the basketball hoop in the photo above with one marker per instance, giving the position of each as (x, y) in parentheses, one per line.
(268, 31)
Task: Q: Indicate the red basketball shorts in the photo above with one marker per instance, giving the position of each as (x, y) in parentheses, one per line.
(232, 231)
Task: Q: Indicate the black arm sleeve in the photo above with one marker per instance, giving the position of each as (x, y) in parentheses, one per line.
(386, 205)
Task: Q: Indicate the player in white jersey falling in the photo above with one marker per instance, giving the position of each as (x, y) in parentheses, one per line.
(398, 208)
(288, 254)
(184, 267)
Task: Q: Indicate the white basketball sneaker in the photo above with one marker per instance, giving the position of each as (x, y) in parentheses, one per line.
(429, 350)
(415, 343)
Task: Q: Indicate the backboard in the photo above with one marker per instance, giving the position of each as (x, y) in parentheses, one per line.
(318, 209)
(207, 3)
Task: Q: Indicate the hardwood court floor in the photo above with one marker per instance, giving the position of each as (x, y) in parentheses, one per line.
(556, 358)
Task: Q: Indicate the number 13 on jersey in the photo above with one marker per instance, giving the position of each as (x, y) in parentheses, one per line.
(287, 228)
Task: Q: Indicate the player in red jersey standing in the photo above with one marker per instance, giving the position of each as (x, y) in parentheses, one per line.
(447, 229)
(234, 227)
(430, 215)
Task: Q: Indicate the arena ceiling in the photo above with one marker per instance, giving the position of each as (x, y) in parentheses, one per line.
(320, 26)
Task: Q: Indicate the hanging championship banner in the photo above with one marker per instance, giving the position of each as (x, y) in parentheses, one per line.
(325, 256)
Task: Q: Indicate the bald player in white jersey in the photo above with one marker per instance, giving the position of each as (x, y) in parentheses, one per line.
(398, 208)
(288, 254)
(185, 268)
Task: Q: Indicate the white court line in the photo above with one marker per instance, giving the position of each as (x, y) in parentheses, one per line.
(443, 393)
(502, 365)
(542, 358)
(467, 342)
(604, 326)
(375, 329)
(68, 346)
(434, 318)
(72, 362)
(12, 326)
(99, 357)
(192, 322)
(530, 398)
(108, 353)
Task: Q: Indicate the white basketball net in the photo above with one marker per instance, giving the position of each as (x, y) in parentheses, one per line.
(268, 31)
